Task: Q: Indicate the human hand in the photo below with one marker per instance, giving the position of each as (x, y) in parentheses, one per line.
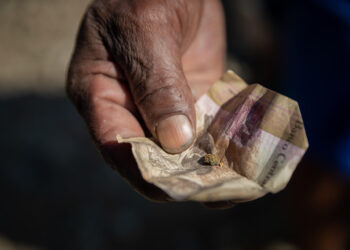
(138, 68)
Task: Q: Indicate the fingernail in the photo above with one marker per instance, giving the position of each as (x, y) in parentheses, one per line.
(175, 133)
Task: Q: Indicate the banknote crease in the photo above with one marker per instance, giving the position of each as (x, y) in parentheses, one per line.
(257, 134)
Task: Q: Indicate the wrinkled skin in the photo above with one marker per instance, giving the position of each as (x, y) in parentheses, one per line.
(136, 62)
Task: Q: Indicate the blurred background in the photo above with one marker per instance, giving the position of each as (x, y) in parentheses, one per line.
(57, 193)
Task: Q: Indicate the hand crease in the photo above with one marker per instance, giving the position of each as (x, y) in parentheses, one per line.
(154, 92)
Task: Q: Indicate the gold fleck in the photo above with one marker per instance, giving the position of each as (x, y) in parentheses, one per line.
(212, 160)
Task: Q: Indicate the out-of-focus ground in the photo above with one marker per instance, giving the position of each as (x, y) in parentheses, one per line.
(55, 190)
(37, 38)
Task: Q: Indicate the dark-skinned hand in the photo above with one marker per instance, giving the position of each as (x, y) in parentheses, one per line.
(137, 70)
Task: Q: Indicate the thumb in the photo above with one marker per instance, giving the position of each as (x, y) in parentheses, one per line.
(150, 59)
(166, 104)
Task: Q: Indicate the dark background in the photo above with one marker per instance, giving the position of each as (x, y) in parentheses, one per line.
(57, 193)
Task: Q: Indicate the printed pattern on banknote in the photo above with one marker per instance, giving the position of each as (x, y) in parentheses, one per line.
(257, 135)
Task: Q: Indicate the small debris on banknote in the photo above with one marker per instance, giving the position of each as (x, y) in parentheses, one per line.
(249, 141)
(212, 160)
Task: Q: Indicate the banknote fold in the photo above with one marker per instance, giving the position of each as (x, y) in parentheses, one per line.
(257, 134)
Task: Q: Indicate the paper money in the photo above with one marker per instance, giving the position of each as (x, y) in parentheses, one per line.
(257, 134)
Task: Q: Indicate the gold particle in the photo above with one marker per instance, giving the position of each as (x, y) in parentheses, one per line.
(212, 160)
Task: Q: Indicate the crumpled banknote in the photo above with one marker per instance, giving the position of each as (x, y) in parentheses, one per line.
(257, 134)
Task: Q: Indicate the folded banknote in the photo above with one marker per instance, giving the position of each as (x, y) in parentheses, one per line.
(249, 142)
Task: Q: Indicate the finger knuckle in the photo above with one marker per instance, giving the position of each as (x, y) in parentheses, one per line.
(161, 99)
